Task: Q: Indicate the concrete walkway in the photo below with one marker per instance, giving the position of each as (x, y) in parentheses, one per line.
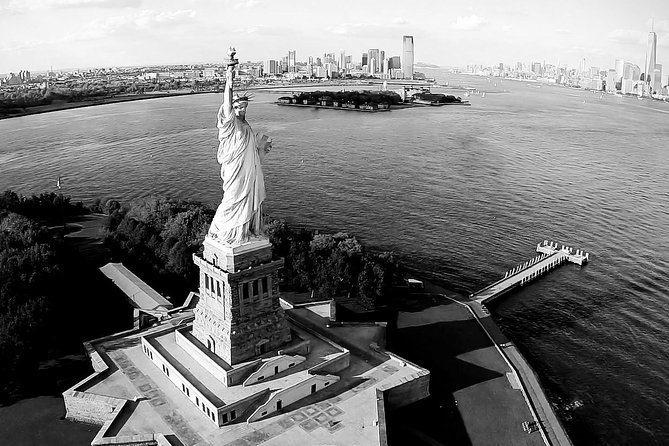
(550, 427)
(156, 397)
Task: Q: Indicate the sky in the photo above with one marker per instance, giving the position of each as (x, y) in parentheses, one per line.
(38, 34)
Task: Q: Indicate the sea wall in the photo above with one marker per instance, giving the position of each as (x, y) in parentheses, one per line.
(90, 408)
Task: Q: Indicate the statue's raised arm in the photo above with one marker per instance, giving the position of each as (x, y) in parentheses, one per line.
(229, 78)
(238, 217)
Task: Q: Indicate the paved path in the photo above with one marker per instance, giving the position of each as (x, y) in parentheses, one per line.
(551, 428)
(545, 413)
(148, 388)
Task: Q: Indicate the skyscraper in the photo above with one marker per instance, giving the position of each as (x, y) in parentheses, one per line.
(291, 61)
(620, 69)
(536, 68)
(342, 60)
(407, 57)
(394, 63)
(651, 58)
(373, 60)
(656, 78)
(271, 67)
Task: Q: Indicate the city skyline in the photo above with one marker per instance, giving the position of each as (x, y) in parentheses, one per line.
(105, 33)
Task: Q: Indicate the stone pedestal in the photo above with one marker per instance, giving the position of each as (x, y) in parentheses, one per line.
(238, 315)
(233, 258)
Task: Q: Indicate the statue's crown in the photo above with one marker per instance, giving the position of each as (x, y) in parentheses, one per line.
(241, 97)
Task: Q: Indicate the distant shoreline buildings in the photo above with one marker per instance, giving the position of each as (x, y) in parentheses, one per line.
(374, 62)
(624, 78)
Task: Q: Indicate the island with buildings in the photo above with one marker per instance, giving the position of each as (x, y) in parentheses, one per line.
(371, 101)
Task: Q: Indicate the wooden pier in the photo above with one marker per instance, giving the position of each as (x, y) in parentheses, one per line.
(551, 255)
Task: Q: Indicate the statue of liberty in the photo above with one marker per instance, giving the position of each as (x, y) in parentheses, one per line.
(240, 153)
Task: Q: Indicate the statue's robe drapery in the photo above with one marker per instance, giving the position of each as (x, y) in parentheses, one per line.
(239, 214)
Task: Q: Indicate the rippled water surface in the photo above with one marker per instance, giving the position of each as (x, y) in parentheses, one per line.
(462, 193)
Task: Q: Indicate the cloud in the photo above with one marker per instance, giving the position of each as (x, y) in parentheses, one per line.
(12, 7)
(345, 28)
(366, 29)
(563, 31)
(246, 4)
(24, 6)
(587, 51)
(19, 45)
(247, 30)
(92, 3)
(469, 22)
(103, 29)
(139, 21)
(627, 37)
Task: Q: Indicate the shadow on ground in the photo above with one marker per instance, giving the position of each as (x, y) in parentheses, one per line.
(436, 346)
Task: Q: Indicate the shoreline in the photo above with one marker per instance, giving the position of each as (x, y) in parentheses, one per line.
(332, 107)
(278, 89)
(550, 425)
(39, 109)
(392, 107)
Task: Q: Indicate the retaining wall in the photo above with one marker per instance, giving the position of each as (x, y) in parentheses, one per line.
(90, 408)
(333, 365)
(292, 394)
(406, 390)
(189, 345)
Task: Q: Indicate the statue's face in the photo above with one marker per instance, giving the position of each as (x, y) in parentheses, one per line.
(240, 108)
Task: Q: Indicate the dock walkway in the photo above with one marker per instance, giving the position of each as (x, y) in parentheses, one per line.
(550, 256)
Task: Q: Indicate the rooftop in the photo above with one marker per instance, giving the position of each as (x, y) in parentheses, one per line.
(141, 295)
(345, 413)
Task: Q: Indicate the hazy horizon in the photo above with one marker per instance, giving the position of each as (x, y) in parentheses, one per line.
(70, 34)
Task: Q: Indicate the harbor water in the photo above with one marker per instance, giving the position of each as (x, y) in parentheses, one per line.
(462, 194)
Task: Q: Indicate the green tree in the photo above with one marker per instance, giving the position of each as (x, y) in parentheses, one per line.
(30, 279)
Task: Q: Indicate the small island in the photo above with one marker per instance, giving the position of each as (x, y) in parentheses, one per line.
(367, 101)
(370, 101)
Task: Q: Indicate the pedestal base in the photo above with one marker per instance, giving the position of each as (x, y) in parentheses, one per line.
(239, 315)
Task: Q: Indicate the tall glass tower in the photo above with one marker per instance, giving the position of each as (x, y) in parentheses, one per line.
(407, 57)
(651, 62)
(651, 58)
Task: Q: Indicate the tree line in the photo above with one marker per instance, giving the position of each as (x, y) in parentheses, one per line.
(32, 281)
(354, 97)
(156, 237)
(334, 265)
(50, 295)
